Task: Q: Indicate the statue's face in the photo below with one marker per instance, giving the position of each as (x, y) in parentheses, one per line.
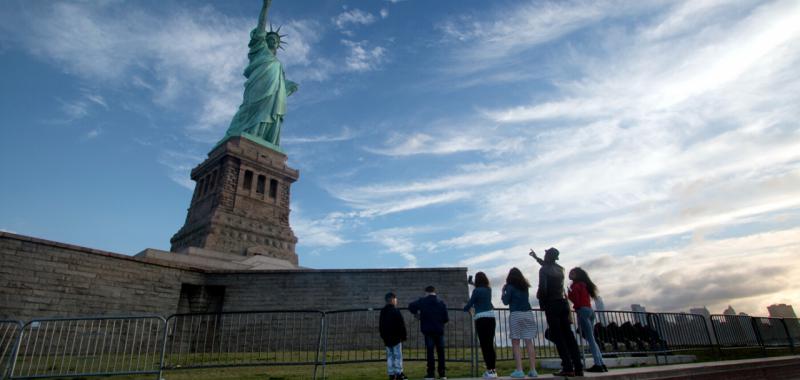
(272, 42)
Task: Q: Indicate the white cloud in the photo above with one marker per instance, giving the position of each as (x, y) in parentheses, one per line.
(474, 239)
(399, 241)
(648, 139)
(93, 133)
(384, 13)
(361, 57)
(516, 29)
(316, 233)
(344, 135)
(179, 164)
(353, 17)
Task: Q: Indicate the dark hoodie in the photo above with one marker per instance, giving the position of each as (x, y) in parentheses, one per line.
(551, 283)
(391, 326)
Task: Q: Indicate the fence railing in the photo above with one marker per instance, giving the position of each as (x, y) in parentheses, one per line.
(9, 334)
(148, 345)
(68, 347)
(745, 332)
(233, 339)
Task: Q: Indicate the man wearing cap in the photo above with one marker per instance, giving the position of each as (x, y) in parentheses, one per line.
(432, 313)
(556, 310)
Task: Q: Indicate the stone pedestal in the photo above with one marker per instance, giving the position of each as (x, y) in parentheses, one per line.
(240, 204)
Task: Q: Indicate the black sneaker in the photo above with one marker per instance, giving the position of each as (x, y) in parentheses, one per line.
(597, 368)
(564, 373)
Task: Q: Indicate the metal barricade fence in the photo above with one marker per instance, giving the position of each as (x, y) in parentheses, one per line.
(9, 333)
(69, 347)
(147, 345)
(677, 332)
(253, 338)
(342, 344)
(793, 331)
(627, 332)
(771, 332)
(734, 331)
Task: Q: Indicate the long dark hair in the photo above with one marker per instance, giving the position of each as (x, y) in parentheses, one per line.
(582, 276)
(516, 279)
(481, 281)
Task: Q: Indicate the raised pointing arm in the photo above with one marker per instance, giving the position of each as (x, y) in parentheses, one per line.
(262, 18)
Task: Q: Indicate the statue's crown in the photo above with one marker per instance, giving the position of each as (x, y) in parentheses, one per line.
(277, 33)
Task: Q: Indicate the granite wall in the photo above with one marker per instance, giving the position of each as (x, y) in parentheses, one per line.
(40, 278)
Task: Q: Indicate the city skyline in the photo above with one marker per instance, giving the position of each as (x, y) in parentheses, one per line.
(655, 144)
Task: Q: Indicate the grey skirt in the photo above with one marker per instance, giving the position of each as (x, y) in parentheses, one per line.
(521, 325)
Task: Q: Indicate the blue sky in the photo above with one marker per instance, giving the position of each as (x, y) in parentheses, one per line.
(655, 144)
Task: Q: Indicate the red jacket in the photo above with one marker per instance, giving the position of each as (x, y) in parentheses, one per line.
(579, 295)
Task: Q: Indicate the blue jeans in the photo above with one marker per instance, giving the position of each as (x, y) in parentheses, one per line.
(586, 323)
(394, 359)
(437, 342)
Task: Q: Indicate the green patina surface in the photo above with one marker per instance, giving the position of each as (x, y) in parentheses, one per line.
(260, 117)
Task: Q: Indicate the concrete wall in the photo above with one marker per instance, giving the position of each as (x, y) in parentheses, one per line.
(40, 278)
(337, 288)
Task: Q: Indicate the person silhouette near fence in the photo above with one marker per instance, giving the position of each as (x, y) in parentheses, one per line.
(581, 292)
(392, 328)
(522, 325)
(556, 309)
(432, 314)
(485, 323)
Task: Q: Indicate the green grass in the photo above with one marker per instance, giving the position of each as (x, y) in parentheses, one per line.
(251, 365)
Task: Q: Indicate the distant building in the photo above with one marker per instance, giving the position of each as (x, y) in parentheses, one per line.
(707, 317)
(781, 311)
(599, 305)
(729, 311)
(641, 318)
(700, 310)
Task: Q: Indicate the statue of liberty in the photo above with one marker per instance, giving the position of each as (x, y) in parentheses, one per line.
(265, 90)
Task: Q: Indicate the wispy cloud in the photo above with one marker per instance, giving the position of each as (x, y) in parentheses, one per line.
(325, 232)
(178, 165)
(362, 57)
(647, 138)
(93, 134)
(353, 17)
(344, 135)
(400, 241)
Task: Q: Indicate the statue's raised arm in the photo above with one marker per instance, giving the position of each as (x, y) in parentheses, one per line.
(262, 18)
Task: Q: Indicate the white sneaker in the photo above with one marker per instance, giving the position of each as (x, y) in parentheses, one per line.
(490, 375)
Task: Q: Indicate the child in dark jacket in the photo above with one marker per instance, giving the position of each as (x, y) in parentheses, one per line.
(432, 316)
(392, 328)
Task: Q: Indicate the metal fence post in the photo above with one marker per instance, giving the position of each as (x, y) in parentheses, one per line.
(759, 339)
(716, 336)
(324, 346)
(12, 357)
(656, 349)
(163, 347)
(319, 346)
(788, 335)
(474, 352)
(708, 333)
